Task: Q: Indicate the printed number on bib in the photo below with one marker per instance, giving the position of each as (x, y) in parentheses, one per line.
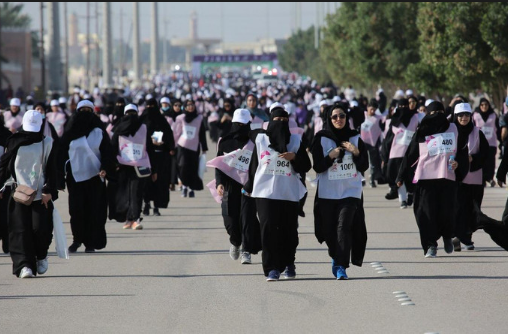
(441, 143)
(189, 132)
(278, 166)
(344, 170)
(239, 159)
(404, 137)
(132, 152)
(488, 131)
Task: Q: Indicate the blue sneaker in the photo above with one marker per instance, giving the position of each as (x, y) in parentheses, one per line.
(273, 275)
(334, 268)
(290, 272)
(341, 273)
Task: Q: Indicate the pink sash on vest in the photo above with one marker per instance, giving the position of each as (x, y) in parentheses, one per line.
(402, 138)
(212, 186)
(188, 135)
(13, 122)
(370, 130)
(475, 177)
(235, 164)
(57, 119)
(488, 128)
(132, 149)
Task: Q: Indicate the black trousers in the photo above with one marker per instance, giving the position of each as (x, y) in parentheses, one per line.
(465, 224)
(28, 234)
(231, 210)
(127, 195)
(4, 230)
(489, 167)
(338, 219)
(279, 232)
(251, 231)
(88, 211)
(435, 206)
(374, 162)
(158, 191)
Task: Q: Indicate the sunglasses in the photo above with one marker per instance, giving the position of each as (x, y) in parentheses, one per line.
(464, 114)
(341, 116)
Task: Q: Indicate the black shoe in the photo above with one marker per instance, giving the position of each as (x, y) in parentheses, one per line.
(393, 194)
(373, 184)
(191, 193)
(89, 250)
(156, 212)
(172, 187)
(301, 213)
(409, 199)
(184, 192)
(448, 245)
(74, 247)
(381, 180)
(5, 246)
(146, 210)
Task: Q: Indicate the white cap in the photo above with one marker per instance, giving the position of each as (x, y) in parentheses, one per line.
(353, 103)
(32, 121)
(86, 96)
(130, 107)
(241, 116)
(462, 107)
(165, 100)
(62, 100)
(336, 99)
(323, 103)
(15, 102)
(276, 105)
(76, 90)
(54, 103)
(148, 96)
(85, 103)
(409, 92)
(399, 93)
(428, 101)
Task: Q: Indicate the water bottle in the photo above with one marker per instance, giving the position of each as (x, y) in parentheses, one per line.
(452, 158)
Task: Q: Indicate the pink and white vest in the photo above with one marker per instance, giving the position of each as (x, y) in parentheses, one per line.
(370, 130)
(235, 164)
(188, 133)
(474, 147)
(132, 149)
(13, 122)
(488, 128)
(435, 152)
(402, 137)
(318, 124)
(57, 119)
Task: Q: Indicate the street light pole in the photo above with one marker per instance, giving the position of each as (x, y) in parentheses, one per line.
(43, 63)
(66, 50)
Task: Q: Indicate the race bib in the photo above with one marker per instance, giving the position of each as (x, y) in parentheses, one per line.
(132, 152)
(239, 159)
(441, 143)
(488, 131)
(278, 166)
(367, 125)
(189, 132)
(405, 137)
(344, 170)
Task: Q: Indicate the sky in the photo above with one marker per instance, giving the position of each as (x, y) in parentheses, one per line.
(243, 22)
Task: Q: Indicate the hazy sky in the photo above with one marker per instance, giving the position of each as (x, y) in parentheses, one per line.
(247, 21)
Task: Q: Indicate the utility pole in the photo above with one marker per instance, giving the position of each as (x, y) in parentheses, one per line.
(155, 40)
(66, 49)
(135, 54)
(106, 57)
(87, 45)
(97, 42)
(120, 67)
(43, 64)
(165, 47)
(316, 28)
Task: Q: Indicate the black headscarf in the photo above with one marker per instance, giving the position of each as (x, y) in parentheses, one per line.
(432, 124)
(128, 126)
(402, 115)
(338, 135)
(236, 138)
(485, 115)
(171, 111)
(464, 131)
(189, 116)
(118, 111)
(14, 142)
(80, 124)
(278, 131)
(153, 119)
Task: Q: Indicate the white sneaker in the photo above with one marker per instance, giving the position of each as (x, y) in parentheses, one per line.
(42, 266)
(234, 252)
(246, 258)
(26, 273)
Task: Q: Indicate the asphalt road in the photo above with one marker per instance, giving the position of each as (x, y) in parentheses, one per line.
(176, 276)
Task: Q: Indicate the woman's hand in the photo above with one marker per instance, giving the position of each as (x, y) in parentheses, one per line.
(351, 148)
(220, 190)
(288, 156)
(45, 199)
(454, 164)
(102, 173)
(334, 154)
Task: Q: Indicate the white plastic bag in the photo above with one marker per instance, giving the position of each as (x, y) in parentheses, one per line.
(202, 166)
(59, 236)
